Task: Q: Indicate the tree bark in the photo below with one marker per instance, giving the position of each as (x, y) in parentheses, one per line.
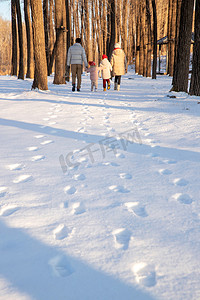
(178, 16)
(183, 51)
(51, 38)
(46, 30)
(195, 79)
(141, 33)
(154, 67)
(40, 76)
(21, 44)
(29, 37)
(112, 38)
(59, 77)
(171, 35)
(137, 58)
(149, 39)
(14, 39)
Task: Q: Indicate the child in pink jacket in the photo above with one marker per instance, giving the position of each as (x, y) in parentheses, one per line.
(93, 70)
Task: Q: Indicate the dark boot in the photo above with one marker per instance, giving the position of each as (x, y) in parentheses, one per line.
(73, 87)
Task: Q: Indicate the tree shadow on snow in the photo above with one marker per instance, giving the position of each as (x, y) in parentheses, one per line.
(138, 148)
(42, 272)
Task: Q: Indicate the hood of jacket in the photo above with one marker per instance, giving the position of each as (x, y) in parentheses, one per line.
(105, 62)
(117, 51)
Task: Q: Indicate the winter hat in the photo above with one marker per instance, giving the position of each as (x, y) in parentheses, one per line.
(117, 45)
(91, 63)
(104, 56)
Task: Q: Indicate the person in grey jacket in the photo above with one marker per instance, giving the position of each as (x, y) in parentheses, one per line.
(75, 57)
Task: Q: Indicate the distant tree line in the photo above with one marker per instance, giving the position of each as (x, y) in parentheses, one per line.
(53, 25)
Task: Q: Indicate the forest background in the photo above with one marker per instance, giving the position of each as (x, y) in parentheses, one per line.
(34, 43)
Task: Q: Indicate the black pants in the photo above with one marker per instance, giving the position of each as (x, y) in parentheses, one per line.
(118, 79)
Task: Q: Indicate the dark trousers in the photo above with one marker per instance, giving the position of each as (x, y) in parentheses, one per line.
(118, 79)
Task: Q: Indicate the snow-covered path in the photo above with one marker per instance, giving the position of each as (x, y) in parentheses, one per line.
(99, 192)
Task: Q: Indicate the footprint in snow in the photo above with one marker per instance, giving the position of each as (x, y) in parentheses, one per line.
(61, 232)
(110, 129)
(121, 237)
(145, 274)
(46, 142)
(165, 172)
(182, 198)
(39, 136)
(32, 148)
(14, 167)
(8, 210)
(170, 161)
(113, 164)
(61, 266)
(125, 176)
(70, 190)
(3, 191)
(79, 177)
(180, 181)
(118, 188)
(153, 155)
(78, 208)
(37, 158)
(52, 123)
(120, 155)
(22, 178)
(45, 119)
(136, 209)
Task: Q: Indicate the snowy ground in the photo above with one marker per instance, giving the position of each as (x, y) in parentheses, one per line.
(99, 192)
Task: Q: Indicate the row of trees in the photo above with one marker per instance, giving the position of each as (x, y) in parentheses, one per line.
(52, 26)
(5, 42)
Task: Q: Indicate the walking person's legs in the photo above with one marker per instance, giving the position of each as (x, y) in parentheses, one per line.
(115, 84)
(108, 83)
(96, 85)
(118, 82)
(73, 69)
(79, 72)
(104, 85)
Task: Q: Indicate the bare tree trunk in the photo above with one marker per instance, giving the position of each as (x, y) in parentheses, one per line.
(46, 30)
(14, 39)
(149, 41)
(141, 32)
(112, 39)
(87, 29)
(171, 35)
(51, 37)
(180, 83)
(59, 77)
(104, 26)
(178, 17)
(68, 21)
(93, 32)
(195, 79)
(21, 44)
(154, 39)
(124, 27)
(137, 58)
(29, 37)
(40, 75)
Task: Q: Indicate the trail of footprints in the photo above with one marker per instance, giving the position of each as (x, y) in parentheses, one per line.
(8, 210)
(144, 273)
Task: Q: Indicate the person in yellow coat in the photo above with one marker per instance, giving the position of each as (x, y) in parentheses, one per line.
(119, 65)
